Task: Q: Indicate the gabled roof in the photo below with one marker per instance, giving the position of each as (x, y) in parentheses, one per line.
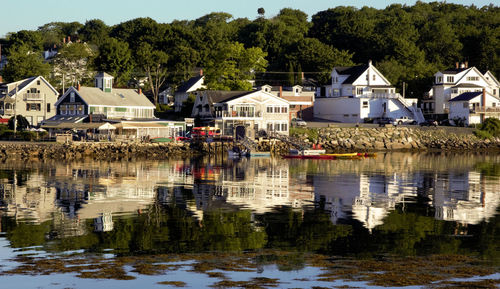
(454, 70)
(466, 96)
(21, 84)
(354, 72)
(220, 96)
(188, 84)
(117, 97)
(103, 74)
(467, 85)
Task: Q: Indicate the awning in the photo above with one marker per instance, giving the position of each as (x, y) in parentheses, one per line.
(107, 126)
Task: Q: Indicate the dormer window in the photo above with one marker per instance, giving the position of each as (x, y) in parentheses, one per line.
(439, 79)
(72, 97)
(450, 79)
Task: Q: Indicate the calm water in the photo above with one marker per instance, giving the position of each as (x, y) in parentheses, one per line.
(261, 222)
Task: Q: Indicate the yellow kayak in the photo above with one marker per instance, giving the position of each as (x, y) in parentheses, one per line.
(351, 155)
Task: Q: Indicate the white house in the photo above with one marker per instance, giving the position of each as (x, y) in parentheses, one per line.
(360, 92)
(191, 85)
(474, 107)
(453, 82)
(243, 112)
(34, 98)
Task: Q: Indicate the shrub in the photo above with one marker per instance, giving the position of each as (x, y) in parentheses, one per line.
(488, 129)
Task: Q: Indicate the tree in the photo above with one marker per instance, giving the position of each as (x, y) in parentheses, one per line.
(24, 63)
(94, 31)
(233, 66)
(154, 65)
(261, 12)
(32, 39)
(115, 58)
(21, 123)
(72, 61)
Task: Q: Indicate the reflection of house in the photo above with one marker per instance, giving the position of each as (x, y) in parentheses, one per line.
(360, 92)
(466, 198)
(301, 100)
(243, 112)
(368, 198)
(454, 82)
(191, 85)
(259, 185)
(474, 107)
(33, 98)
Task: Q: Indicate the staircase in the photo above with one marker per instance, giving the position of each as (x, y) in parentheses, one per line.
(416, 112)
(249, 144)
(290, 140)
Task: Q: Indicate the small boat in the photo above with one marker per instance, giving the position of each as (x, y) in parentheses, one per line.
(237, 153)
(260, 154)
(336, 156)
(307, 152)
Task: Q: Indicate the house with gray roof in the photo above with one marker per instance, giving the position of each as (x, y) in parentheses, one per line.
(190, 86)
(242, 113)
(453, 82)
(34, 98)
(104, 102)
(473, 107)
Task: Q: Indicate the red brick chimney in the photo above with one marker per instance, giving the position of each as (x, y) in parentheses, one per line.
(281, 91)
(483, 99)
(457, 65)
(467, 64)
(78, 86)
(140, 91)
(201, 72)
(64, 40)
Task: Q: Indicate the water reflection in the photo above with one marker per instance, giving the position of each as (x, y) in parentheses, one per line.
(457, 188)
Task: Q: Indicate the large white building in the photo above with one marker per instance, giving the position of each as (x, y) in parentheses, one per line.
(360, 92)
(454, 82)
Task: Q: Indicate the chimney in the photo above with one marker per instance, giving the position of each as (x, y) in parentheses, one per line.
(69, 39)
(201, 72)
(467, 64)
(1, 79)
(281, 91)
(456, 65)
(78, 86)
(64, 40)
(483, 99)
(140, 91)
(370, 62)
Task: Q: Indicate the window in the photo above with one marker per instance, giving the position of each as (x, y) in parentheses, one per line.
(346, 115)
(472, 78)
(374, 77)
(292, 106)
(48, 107)
(359, 91)
(284, 109)
(439, 79)
(284, 127)
(494, 92)
(269, 127)
(72, 97)
(494, 104)
(269, 109)
(450, 79)
(454, 91)
(121, 109)
(355, 115)
(365, 104)
(276, 109)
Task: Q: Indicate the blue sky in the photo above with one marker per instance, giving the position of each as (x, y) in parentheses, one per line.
(29, 14)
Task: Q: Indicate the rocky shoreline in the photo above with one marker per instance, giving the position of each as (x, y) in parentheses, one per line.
(331, 139)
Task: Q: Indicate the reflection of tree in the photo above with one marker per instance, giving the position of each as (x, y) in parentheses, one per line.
(312, 231)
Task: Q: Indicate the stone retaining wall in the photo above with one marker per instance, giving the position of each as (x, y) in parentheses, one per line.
(331, 139)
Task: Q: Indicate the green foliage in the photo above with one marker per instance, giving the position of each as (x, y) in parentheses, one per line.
(33, 40)
(488, 129)
(94, 31)
(312, 133)
(24, 63)
(154, 65)
(233, 67)
(115, 58)
(21, 123)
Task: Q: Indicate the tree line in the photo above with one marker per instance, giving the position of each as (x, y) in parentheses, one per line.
(406, 43)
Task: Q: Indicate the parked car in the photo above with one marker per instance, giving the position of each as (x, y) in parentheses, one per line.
(405, 120)
(429, 122)
(382, 121)
(298, 122)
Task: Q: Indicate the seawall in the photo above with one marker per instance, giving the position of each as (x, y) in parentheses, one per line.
(331, 139)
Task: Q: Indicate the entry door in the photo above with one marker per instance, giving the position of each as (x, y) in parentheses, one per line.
(240, 132)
